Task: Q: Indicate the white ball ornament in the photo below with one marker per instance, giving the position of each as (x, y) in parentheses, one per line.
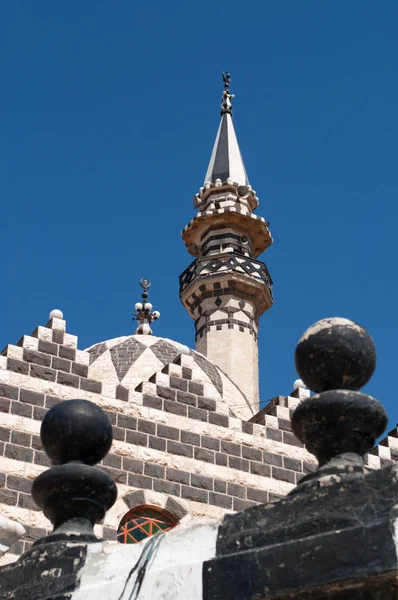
(148, 306)
(56, 314)
(138, 306)
(299, 384)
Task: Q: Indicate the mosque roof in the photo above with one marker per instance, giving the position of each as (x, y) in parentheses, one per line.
(131, 360)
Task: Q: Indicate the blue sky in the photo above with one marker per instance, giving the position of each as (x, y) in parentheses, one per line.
(108, 115)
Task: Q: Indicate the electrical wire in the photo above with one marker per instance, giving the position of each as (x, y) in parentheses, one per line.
(142, 564)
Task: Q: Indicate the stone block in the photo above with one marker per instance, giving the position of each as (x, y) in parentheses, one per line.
(154, 470)
(272, 459)
(7, 391)
(201, 481)
(81, 357)
(175, 508)
(18, 453)
(274, 434)
(196, 388)
(140, 481)
(112, 460)
(198, 414)
(195, 494)
(61, 364)
(283, 474)
(136, 438)
(179, 448)
(91, 386)
(221, 459)
(38, 358)
(70, 340)
(220, 500)
(8, 497)
(80, 370)
(40, 458)
(165, 392)
(257, 495)
(47, 347)
(58, 337)
(186, 398)
(29, 397)
(157, 443)
(217, 419)
(207, 404)
(175, 408)
(5, 405)
(42, 372)
(166, 487)
(241, 464)
(210, 443)
(71, 354)
(293, 464)
(240, 504)
(190, 438)
(234, 489)
(146, 426)
(205, 455)
(178, 476)
(170, 433)
(127, 422)
(133, 466)
(23, 410)
(20, 438)
(260, 469)
(230, 448)
(5, 434)
(18, 366)
(135, 499)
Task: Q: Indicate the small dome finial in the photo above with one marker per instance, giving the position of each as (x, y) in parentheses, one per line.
(144, 314)
(56, 314)
(299, 384)
(226, 104)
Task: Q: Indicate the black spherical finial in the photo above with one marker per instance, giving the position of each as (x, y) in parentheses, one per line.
(336, 357)
(76, 430)
(335, 354)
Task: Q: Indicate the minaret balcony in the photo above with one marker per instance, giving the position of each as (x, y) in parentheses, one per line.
(242, 220)
(226, 263)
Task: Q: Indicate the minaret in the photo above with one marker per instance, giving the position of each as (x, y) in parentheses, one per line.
(225, 290)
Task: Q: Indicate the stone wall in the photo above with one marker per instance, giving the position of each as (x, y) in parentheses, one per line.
(171, 447)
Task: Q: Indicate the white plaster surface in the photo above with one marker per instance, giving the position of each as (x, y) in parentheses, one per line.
(174, 571)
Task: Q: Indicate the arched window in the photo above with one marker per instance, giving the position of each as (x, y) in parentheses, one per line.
(143, 522)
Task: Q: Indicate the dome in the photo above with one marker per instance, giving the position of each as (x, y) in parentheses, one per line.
(131, 360)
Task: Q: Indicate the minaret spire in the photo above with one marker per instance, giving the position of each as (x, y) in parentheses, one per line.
(225, 289)
(226, 161)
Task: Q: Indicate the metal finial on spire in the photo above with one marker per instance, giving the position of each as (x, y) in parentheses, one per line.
(226, 77)
(226, 105)
(144, 314)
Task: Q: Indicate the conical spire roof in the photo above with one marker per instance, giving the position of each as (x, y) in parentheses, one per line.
(226, 160)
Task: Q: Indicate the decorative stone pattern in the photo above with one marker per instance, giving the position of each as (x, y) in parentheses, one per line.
(175, 436)
(176, 439)
(125, 354)
(226, 316)
(123, 363)
(224, 263)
